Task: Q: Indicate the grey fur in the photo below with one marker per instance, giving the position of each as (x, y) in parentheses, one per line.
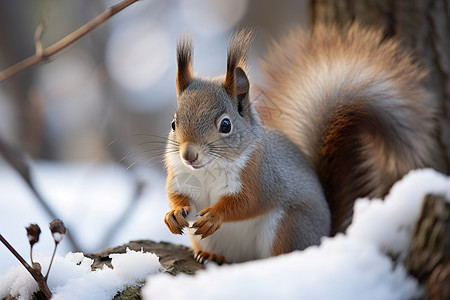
(291, 183)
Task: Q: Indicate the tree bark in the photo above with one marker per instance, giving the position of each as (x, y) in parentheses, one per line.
(421, 25)
(429, 253)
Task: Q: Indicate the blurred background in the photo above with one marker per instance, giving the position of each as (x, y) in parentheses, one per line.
(92, 120)
(82, 135)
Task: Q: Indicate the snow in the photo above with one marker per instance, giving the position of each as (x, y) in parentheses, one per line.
(390, 224)
(135, 265)
(351, 266)
(58, 236)
(71, 276)
(337, 270)
(355, 265)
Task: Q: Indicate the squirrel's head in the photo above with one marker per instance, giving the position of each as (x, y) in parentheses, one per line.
(214, 120)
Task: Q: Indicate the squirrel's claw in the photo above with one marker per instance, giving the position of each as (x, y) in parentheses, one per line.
(204, 257)
(208, 223)
(175, 220)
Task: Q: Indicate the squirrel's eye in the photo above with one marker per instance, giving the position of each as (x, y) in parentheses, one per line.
(173, 124)
(225, 126)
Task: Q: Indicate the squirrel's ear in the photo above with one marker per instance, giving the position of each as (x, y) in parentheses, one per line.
(237, 58)
(242, 88)
(184, 61)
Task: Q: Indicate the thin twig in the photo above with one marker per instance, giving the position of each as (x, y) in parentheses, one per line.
(51, 261)
(39, 33)
(64, 42)
(37, 276)
(31, 255)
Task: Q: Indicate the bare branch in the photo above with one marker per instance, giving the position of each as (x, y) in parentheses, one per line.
(43, 54)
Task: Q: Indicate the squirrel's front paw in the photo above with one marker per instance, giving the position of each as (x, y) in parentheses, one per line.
(208, 223)
(175, 220)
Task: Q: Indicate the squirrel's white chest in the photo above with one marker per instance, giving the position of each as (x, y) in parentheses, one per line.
(205, 187)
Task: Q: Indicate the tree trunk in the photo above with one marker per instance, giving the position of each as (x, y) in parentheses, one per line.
(421, 25)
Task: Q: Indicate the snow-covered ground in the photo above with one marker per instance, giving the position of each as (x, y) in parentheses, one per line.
(89, 199)
(72, 277)
(350, 266)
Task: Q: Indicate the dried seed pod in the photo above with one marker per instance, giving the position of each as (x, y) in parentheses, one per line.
(33, 232)
(58, 230)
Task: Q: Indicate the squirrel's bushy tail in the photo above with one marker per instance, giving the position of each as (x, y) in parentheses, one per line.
(353, 103)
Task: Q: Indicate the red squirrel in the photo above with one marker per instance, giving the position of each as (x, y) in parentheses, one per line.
(353, 120)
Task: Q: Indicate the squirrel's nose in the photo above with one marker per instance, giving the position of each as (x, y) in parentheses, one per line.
(189, 154)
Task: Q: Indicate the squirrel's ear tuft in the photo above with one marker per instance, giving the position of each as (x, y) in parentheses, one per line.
(242, 86)
(184, 60)
(237, 58)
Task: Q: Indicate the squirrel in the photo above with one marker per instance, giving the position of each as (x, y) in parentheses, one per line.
(353, 120)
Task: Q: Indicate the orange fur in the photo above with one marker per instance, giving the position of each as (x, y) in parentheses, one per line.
(284, 240)
(177, 200)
